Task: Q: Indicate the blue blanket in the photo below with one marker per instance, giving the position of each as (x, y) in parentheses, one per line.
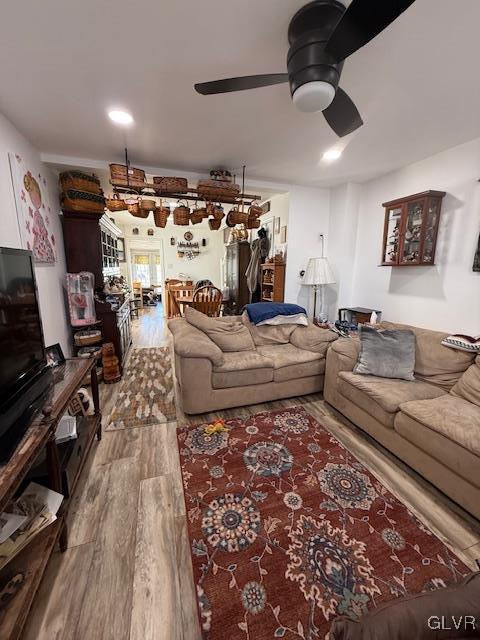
(260, 311)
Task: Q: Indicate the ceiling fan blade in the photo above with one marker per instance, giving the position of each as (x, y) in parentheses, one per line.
(361, 22)
(342, 115)
(240, 84)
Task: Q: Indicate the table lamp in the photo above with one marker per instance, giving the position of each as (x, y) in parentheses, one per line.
(318, 274)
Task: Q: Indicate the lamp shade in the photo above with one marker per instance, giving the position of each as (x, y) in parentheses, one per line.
(318, 272)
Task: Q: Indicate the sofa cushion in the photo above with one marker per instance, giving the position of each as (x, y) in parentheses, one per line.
(468, 387)
(241, 369)
(452, 417)
(434, 362)
(267, 334)
(227, 335)
(189, 342)
(313, 338)
(387, 353)
(460, 461)
(290, 362)
(381, 397)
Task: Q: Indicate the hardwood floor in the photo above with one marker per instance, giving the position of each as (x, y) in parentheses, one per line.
(126, 574)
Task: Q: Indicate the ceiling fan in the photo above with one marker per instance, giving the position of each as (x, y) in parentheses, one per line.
(321, 35)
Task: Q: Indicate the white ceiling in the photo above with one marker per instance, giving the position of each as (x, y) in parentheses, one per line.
(65, 63)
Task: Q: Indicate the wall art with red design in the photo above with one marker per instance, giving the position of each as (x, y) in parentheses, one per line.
(34, 211)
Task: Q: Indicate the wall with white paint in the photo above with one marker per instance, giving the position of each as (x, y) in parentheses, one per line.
(444, 296)
(50, 278)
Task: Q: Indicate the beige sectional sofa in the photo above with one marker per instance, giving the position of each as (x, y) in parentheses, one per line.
(426, 423)
(283, 361)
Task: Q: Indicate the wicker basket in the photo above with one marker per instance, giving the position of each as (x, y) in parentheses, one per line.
(93, 351)
(214, 224)
(253, 223)
(196, 218)
(118, 175)
(255, 210)
(115, 203)
(170, 184)
(238, 217)
(82, 202)
(79, 181)
(87, 336)
(160, 216)
(147, 204)
(181, 215)
(136, 212)
(218, 213)
(225, 193)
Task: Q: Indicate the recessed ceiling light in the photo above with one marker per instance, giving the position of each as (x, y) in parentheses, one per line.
(332, 154)
(120, 117)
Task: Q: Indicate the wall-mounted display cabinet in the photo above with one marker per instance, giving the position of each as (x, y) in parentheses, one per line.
(410, 230)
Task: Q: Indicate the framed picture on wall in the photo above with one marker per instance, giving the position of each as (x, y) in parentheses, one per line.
(226, 235)
(283, 234)
(277, 226)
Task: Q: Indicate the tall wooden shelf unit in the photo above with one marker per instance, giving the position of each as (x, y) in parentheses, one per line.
(273, 282)
(29, 565)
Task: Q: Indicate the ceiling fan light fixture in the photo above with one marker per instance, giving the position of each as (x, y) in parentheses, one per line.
(314, 96)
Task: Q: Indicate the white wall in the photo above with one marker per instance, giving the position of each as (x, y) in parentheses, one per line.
(50, 278)
(206, 266)
(444, 296)
(279, 208)
(308, 218)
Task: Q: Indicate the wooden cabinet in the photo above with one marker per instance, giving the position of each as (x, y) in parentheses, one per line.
(273, 282)
(410, 229)
(116, 326)
(236, 262)
(89, 241)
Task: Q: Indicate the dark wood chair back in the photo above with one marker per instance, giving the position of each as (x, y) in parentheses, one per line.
(208, 300)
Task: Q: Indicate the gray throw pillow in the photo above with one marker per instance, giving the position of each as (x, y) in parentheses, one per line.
(387, 354)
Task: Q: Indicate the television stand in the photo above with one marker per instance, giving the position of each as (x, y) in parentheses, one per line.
(21, 577)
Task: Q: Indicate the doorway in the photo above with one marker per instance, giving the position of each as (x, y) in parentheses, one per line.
(147, 268)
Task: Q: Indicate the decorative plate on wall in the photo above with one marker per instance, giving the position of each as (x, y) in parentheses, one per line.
(188, 235)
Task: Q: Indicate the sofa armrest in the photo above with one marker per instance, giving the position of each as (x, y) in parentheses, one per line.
(313, 338)
(342, 356)
(190, 342)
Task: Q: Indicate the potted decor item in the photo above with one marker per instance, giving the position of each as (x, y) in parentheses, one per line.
(81, 304)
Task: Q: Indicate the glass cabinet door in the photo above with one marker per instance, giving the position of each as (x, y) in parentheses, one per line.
(412, 232)
(430, 231)
(393, 220)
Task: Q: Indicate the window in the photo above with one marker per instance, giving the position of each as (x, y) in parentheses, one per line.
(146, 268)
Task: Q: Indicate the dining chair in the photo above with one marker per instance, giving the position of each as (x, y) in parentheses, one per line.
(208, 300)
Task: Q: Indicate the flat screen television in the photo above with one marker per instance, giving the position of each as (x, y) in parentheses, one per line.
(24, 374)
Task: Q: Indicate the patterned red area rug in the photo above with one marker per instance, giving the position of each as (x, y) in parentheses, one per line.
(288, 530)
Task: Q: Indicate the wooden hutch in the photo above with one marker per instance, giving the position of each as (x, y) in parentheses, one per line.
(410, 230)
(91, 244)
